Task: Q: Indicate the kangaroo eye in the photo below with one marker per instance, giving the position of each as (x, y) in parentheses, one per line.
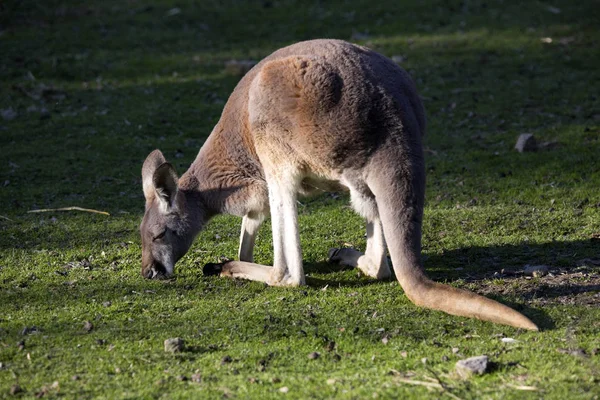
(160, 235)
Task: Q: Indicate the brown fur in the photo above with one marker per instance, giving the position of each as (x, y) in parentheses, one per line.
(311, 116)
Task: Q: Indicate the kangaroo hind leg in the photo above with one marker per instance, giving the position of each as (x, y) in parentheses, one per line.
(373, 262)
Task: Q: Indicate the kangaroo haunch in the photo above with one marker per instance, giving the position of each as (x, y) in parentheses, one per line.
(313, 116)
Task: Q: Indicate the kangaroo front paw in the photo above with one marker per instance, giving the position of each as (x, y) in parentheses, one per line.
(212, 269)
(344, 256)
(333, 255)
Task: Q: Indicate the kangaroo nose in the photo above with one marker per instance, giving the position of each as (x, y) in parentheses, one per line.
(155, 270)
(148, 273)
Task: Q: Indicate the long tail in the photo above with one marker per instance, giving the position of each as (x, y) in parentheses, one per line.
(400, 195)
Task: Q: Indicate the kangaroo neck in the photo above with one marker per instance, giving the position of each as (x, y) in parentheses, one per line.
(224, 173)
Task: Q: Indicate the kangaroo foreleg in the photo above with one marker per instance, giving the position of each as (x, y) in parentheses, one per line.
(250, 224)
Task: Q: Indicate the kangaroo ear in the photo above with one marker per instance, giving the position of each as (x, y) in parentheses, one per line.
(165, 185)
(153, 161)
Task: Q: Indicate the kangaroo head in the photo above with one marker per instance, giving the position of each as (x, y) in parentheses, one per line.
(166, 230)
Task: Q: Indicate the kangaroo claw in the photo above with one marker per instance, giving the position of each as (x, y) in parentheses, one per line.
(332, 255)
(212, 269)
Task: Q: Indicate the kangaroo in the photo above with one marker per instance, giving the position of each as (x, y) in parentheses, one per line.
(315, 115)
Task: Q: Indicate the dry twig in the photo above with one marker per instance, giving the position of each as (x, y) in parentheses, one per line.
(522, 387)
(69, 209)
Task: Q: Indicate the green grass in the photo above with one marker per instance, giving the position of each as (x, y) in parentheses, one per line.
(128, 77)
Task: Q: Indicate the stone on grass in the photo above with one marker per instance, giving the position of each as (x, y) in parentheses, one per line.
(8, 114)
(472, 366)
(526, 142)
(15, 389)
(174, 345)
(398, 59)
(226, 360)
(88, 326)
(314, 355)
(330, 346)
(536, 270)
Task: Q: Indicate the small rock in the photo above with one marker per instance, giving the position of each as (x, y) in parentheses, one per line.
(29, 330)
(573, 352)
(15, 389)
(88, 326)
(174, 345)
(385, 339)
(226, 360)
(455, 350)
(314, 355)
(173, 11)
(536, 270)
(284, 389)
(262, 366)
(8, 114)
(330, 346)
(472, 366)
(239, 67)
(331, 381)
(44, 113)
(526, 142)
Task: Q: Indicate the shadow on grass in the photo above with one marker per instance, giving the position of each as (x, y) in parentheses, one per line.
(471, 267)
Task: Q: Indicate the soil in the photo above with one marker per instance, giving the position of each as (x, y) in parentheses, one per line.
(579, 285)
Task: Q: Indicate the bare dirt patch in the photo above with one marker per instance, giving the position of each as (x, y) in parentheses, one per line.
(579, 285)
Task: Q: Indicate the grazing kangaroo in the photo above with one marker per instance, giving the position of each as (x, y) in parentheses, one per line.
(316, 115)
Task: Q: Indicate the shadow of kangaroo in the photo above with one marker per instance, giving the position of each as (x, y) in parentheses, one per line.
(312, 116)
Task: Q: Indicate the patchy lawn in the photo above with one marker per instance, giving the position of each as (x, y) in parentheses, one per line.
(89, 89)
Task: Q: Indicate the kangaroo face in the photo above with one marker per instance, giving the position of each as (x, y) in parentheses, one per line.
(162, 244)
(165, 231)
